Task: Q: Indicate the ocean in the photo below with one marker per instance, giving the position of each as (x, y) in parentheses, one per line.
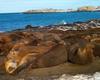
(11, 21)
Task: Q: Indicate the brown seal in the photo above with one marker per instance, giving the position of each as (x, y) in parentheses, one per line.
(42, 55)
(81, 53)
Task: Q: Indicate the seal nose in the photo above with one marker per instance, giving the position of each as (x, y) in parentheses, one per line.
(10, 66)
(10, 69)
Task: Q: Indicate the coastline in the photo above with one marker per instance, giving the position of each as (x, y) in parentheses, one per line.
(57, 12)
(47, 12)
(53, 72)
(94, 23)
(20, 20)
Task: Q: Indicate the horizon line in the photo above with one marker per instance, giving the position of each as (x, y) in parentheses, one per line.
(46, 8)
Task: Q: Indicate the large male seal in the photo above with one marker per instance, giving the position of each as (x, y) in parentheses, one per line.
(43, 55)
(96, 42)
(81, 53)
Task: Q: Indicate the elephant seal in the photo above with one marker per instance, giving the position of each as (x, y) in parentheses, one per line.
(96, 42)
(43, 55)
(81, 53)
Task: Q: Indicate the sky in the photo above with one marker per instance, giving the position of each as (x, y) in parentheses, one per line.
(7, 6)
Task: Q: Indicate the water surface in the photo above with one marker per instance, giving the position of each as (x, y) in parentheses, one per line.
(11, 21)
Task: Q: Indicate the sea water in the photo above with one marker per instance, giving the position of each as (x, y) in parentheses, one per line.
(11, 21)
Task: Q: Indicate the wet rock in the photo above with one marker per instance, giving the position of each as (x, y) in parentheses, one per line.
(28, 27)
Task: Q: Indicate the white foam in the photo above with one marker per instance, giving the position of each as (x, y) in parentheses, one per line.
(95, 76)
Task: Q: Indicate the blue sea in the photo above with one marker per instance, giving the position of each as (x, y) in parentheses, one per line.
(11, 21)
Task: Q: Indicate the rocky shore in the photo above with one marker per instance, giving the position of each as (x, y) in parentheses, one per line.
(45, 53)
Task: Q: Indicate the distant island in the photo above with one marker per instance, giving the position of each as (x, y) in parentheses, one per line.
(89, 8)
(45, 11)
(50, 10)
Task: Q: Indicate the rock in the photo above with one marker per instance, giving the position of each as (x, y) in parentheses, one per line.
(96, 76)
(87, 8)
(76, 77)
(28, 27)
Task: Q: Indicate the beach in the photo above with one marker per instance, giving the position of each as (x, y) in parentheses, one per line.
(52, 48)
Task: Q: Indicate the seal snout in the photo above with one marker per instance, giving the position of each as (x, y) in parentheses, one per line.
(10, 66)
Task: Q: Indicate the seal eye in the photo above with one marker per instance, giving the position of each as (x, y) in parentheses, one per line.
(16, 49)
(14, 61)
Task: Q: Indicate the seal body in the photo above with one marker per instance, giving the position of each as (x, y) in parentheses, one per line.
(43, 55)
